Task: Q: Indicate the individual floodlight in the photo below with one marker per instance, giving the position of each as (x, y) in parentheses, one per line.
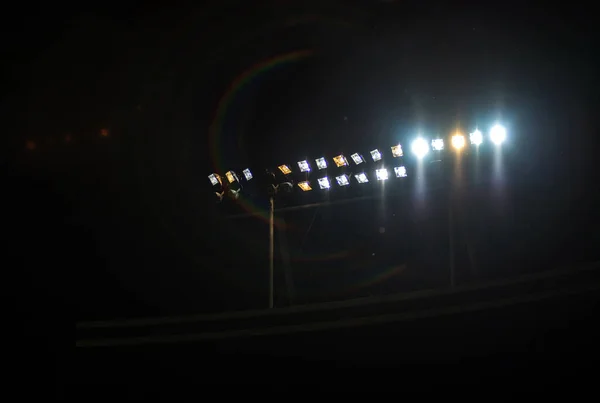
(214, 179)
(305, 186)
(285, 169)
(321, 163)
(376, 155)
(420, 147)
(361, 177)
(340, 160)
(324, 183)
(498, 134)
(476, 137)
(247, 174)
(231, 176)
(458, 141)
(342, 180)
(397, 151)
(303, 165)
(381, 174)
(400, 172)
(437, 144)
(357, 158)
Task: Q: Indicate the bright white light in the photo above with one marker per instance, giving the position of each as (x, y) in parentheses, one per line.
(458, 141)
(397, 151)
(498, 134)
(321, 163)
(342, 180)
(420, 147)
(437, 144)
(361, 177)
(376, 155)
(382, 174)
(476, 137)
(213, 179)
(357, 158)
(324, 183)
(400, 172)
(247, 174)
(303, 165)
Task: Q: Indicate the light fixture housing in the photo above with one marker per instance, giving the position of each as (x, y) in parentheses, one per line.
(376, 155)
(214, 179)
(397, 151)
(305, 186)
(342, 180)
(498, 134)
(321, 163)
(458, 141)
(247, 174)
(303, 165)
(324, 183)
(382, 174)
(357, 158)
(340, 161)
(361, 177)
(420, 147)
(400, 171)
(476, 137)
(437, 144)
(285, 169)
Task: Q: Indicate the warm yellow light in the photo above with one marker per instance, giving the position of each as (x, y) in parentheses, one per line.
(458, 141)
(230, 176)
(285, 169)
(340, 160)
(304, 186)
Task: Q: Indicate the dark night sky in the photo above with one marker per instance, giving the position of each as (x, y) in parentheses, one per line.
(126, 219)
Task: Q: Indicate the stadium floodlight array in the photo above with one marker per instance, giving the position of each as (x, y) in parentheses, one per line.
(305, 186)
(437, 144)
(400, 172)
(285, 169)
(376, 155)
(361, 177)
(303, 165)
(381, 174)
(324, 183)
(321, 163)
(397, 151)
(476, 137)
(357, 158)
(247, 174)
(342, 180)
(340, 161)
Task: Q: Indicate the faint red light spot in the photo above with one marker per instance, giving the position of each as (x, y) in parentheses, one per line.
(68, 138)
(30, 145)
(104, 132)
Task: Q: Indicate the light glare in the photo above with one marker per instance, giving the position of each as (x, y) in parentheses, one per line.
(321, 163)
(342, 180)
(285, 169)
(400, 172)
(458, 141)
(361, 177)
(305, 186)
(420, 147)
(303, 165)
(476, 137)
(381, 174)
(324, 183)
(437, 144)
(498, 134)
(376, 155)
